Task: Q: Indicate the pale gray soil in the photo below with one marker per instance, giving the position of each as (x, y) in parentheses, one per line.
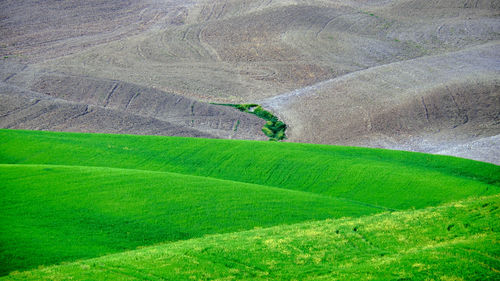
(238, 50)
(37, 30)
(480, 149)
(57, 102)
(21, 112)
(429, 104)
(404, 74)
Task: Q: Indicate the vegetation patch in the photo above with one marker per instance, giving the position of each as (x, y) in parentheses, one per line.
(409, 245)
(64, 213)
(274, 128)
(73, 196)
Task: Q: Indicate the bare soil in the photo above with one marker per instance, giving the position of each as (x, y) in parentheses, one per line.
(404, 74)
(427, 104)
(60, 102)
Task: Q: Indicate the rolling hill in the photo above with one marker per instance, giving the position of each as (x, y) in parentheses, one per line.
(327, 170)
(451, 242)
(402, 74)
(388, 106)
(123, 155)
(80, 104)
(78, 212)
(248, 50)
(72, 196)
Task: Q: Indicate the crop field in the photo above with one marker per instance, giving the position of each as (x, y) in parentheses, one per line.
(456, 241)
(250, 140)
(100, 206)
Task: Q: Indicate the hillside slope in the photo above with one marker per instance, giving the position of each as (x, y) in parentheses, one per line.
(457, 241)
(388, 106)
(37, 30)
(82, 104)
(422, 74)
(392, 179)
(237, 51)
(68, 196)
(52, 214)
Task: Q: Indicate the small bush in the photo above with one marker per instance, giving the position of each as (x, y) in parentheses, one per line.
(273, 128)
(267, 131)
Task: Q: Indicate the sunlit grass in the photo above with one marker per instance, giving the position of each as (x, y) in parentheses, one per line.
(456, 241)
(68, 196)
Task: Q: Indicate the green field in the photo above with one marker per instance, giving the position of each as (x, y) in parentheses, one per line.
(457, 241)
(270, 210)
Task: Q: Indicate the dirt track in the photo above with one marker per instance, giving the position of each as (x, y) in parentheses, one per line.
(405, 74)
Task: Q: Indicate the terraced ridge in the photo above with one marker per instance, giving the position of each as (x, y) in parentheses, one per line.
(69, 196)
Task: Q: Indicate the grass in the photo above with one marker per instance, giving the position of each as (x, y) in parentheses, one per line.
(69, 196)
(76, 212)
(393, 179)
(408, 245)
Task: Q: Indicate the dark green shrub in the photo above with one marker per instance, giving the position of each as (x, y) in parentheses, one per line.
(267, 131)
(273, 128)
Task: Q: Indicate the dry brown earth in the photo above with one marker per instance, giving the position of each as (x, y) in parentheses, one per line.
(39, 113)
(406, 74)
